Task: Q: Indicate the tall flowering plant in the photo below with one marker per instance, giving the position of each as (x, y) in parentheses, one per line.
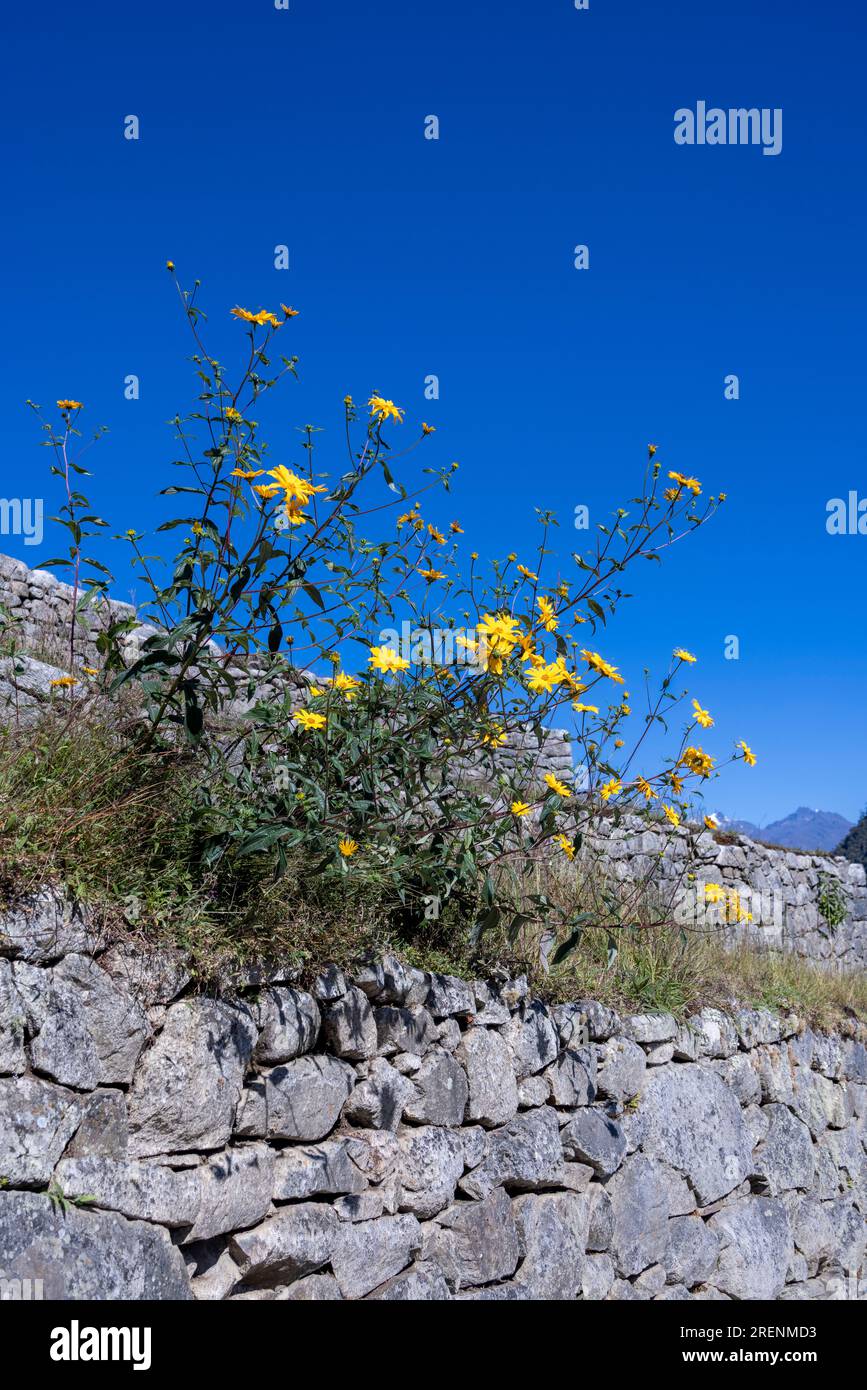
(419, 672)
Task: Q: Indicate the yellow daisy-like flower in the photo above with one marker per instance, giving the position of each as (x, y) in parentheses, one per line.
(528, 574)
(651, 450)
(566, 845)
(681, 654)
(295, 489)
(70, 405)
(385, 410)
(431, 575)
(701, 716)
(749, 755)
(266, 490)
(672, 815)
(387, 660)
(435, 534)
(611, 788)
(556, 785)
(714, 893)
(495, 737)
(547, 616)
(170, 265)
(645, 788)
(456, 528)
(289, 312)
(233, 415)
(697, 761)
(692, 484)
(675, 782)
(90, 670)
(500, 634)
(603, 667)
(427, 429)
(711, 823)
(348, 848)
(260, 319)
(198, 528)
(248, 473)
(584, 709)
(520, 808)
(347, 685)
(64, 683)
(308, 719)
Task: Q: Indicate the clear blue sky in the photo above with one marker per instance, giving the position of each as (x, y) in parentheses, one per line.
(454, 257)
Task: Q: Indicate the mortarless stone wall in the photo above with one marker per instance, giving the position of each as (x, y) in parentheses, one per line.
(394, 1135)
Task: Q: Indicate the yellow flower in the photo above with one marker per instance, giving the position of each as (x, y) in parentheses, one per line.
(542, 679)
(672, 815)
(261, 318)
(384, 409)
(432, 574)
(495, 737)
(697, 761)
(427, 429)
(611, 788)
(692, 484)
(90, 670)
(556, 786)
(520, 808)
(714, 893)
(233, 415)
(346, 684)
(675, 782)
(651, 450)
(289, 312)
(598, 663)
(70, 405)
(749, 755)
(348, 848)
(309, 720)
(456, 528)
(198, 528)
(711, 823)
(500, 634)
(566, 845)
(701, 716)
(387, 660)
(645, 788)
(722, 496)
(437, 535)
(170, 265)
(64, 682)
(681, 654)
(266, 489)
(295, 489)
(528, 574)
(248, 473)
(585, 709)
(547, 615)
(618, 743)
(407, 516)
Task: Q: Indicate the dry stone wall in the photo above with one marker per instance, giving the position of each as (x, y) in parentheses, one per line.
(395, 1135)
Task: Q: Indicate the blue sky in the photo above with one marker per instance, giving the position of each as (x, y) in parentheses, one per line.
(455, 257)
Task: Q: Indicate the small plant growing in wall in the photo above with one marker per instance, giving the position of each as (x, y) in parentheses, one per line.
(831, 901)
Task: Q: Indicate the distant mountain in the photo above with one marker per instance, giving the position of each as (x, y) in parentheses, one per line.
(803, 829)
(854, 843)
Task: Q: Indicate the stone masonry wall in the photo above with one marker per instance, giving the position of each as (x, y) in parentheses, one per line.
(398, 1136)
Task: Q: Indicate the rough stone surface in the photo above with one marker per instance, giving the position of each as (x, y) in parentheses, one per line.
(757, 1247)
(524, 1154)
(350, 1027)
(300, 1100)
(694, 1123)
(493, 1090)
(87, 1254)
(441, 1091)
(593, 1137)
(369, 1253)
(474, 1242)
(236, 1188)
(148, 1191)
(186, 1089)
(37, 1120)
(288, 1022)
(639, 1203)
